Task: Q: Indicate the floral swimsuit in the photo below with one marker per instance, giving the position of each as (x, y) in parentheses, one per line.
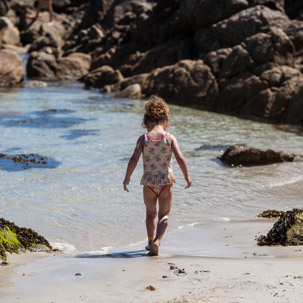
(157, 163)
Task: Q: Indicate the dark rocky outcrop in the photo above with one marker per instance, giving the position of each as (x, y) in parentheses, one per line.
(288, 230)
(15, 239)
(240, 155)
(246, 55)
(11, 71)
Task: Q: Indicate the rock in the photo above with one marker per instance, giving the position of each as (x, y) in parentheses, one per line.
(294, 8)
(14, 239)
(119, 8)
(182, 82)
(274, 46)
(198, 14)
(237, 155)
(272, 4)
(46, 66)
(271, 213)
(288, 230)
(9, 34)
(35, 83)
(74, 66)
(132, 92)
(4, 7)
(245, 23)
(162, 55)
(289, 101)
(41, 65)
(84, 60)
(102, 76)
(44, 42)
(137, 79)
(216, 59)
(11, 70)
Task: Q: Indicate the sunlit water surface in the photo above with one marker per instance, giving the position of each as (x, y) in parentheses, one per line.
(79, 203)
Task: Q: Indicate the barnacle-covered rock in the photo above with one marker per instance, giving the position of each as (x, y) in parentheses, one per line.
(15, 239)
(288, 230)
(271, 213)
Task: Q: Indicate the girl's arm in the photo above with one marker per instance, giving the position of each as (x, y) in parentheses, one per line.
(181, 160)
(132, 163)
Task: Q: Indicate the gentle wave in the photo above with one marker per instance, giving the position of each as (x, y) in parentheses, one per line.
(64, 247)
(285, 182)
(187, 225)
(221, 219)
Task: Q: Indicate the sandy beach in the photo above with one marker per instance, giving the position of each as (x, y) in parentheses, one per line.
(257, 274)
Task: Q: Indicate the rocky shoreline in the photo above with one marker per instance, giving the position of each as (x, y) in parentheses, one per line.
(243, 57)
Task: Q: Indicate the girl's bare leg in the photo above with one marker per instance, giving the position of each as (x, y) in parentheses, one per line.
(150, 200)
(39, 6)
(51, 11)
(165, 203)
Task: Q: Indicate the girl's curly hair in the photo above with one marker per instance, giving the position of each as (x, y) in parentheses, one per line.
(156, 110)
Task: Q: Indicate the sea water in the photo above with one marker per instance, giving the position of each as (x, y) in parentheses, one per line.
(79, 204)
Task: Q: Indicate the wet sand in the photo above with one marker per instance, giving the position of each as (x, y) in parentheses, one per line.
(247, 273)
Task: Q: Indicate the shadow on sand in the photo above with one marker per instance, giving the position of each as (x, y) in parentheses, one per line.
(118, 255)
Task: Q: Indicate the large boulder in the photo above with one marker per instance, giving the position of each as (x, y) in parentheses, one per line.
(45, 66)
(288, 230)
(9, 34)
(240, 155)
(73, 67)
(198, 14)
(182, 82)
(119, 8)
(4, 7)
(237, 28)
(131, 92)
(103, 76)
(41, 65)
(11, 71)
(294, 8)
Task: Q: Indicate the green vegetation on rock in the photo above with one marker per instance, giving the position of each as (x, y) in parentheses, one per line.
(14, 239)
(8, 242)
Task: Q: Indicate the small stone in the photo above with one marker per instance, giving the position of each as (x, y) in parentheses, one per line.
(182, 271)
(164, 277)
(151, 288)
(78, 274)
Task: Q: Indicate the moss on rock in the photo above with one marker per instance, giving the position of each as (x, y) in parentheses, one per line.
(14, 239)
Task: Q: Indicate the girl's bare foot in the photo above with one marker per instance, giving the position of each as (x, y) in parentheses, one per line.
(150, 243)
(31, 16)
(154, 251)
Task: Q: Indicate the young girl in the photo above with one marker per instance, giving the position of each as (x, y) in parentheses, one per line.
(157, 146)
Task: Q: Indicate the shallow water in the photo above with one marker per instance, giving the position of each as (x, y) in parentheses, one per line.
(79, 203)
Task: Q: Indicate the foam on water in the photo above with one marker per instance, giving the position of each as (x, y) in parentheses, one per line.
(64, 247)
